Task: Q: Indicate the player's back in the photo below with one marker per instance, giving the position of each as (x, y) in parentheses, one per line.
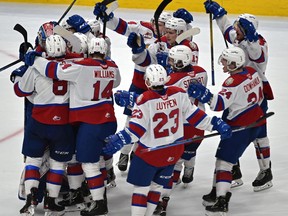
(243, 97)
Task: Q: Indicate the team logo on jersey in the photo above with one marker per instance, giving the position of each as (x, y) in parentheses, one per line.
(164, 97)
(192, 73)
(56, 118)
(170, 159)
(104, 66)
(107, 115)
(229, 81)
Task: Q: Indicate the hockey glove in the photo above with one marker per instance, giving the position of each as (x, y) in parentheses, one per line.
(99, 12)
(19, 72)
(29, 57)
(78, 23)
(215, 9)
(200, 92)
(125, 98)
(115, 142)
(223, 129)
(249, 30)
(162, 58)
(183, 14)
(136, 42)
(23, 49)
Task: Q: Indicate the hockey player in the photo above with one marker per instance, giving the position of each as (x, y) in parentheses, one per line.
(183, 73)
(49, 126)
(240, 98)
(91, 81)
(149, 33)
(244, 34)
(157, 120)
(180, 58)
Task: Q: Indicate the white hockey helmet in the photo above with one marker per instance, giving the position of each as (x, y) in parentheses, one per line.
(155, 75)
(97, 45)
(164, 17)
(177, 24)
(83, 43)
(251, 18)
(181, 56)
(55, 46)
(233, 55)
(95, 26)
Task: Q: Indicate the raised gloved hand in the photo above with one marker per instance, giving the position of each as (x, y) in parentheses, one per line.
(125, 98)
(19, 72)
(29, 57)
(115, 142)
(215, 9)
(200, 92)
(100, 12)
(136, 42)
(78, 23)
(23, 49)
(183, 14)
(162, 58)
(249, 30)
(222, 127)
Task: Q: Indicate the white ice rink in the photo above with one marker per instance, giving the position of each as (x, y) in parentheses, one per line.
(184, 202)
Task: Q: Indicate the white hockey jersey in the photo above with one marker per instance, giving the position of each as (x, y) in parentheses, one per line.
(91, 83)
(50, 96)
(157, 120)
(240, 97)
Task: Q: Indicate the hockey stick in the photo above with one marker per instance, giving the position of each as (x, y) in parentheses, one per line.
(67, 10)
(181, 142)
(114, 6)
(189, 33)
(211, 49)
(10, 65)
(105, 2)
(23, 32)
(157, 14)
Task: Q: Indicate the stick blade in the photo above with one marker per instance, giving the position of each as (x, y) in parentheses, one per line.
(189, 33)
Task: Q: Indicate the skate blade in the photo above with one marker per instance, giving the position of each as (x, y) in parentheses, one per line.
(74, 208)
(263, 187)
(112, 184)
(236, 183)
(30, 212)
(206, 203)
(185, 185)
(51, 213)
(208, 213)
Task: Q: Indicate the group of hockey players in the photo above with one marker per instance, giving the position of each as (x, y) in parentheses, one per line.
(70, 124)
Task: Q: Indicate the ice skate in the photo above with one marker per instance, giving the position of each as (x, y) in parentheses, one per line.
(161, 207)
(123, 162)
(209, 199)
(263, 180)
(51, 208)
(111, 183)
(31, 203)
(236, 176)
(74, 201)
(187, 176)
(98, 207)
(220, 208)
